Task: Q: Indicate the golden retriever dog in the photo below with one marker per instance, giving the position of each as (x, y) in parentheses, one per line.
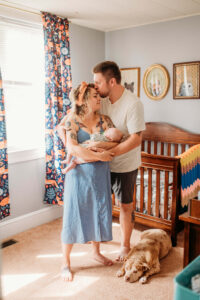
(143, 259)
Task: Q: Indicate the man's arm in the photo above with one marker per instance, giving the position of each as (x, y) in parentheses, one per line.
(133, 141)
(101, 144)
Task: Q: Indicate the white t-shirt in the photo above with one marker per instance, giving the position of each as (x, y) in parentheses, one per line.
(127, 114)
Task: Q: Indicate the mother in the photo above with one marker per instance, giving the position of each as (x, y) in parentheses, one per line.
(87, 192)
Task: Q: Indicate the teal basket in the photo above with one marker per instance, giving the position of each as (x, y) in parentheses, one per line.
(183, 282)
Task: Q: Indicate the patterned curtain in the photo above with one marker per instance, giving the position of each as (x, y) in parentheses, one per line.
(4, 193)
(58, 83)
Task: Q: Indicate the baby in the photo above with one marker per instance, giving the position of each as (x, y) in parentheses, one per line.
(109, 135)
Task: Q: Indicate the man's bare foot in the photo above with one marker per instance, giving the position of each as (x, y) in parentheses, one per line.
(66, 274)
(123, 253)
(102, 259)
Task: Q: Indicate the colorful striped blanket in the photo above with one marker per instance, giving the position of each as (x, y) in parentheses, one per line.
(190, 174)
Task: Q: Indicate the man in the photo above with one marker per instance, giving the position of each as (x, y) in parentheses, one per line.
(126, 112)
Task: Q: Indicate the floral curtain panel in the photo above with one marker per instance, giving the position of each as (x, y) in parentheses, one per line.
(4, 193)
(58, 83)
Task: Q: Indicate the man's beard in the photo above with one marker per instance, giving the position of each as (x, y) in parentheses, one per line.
(104, 95)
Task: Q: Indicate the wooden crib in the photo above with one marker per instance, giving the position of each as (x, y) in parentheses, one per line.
(156, 199)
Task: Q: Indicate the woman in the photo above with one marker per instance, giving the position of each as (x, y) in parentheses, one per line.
(87, 193)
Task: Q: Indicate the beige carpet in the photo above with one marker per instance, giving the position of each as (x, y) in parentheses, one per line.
(31, 269)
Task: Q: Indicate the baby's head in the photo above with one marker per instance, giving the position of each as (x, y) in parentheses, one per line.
(113, 134)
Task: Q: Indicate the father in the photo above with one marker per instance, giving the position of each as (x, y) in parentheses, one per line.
(126, 112)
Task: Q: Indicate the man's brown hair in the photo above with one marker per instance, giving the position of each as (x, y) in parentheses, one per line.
(109, 69)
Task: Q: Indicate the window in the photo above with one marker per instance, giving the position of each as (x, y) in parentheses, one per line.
(22, 67)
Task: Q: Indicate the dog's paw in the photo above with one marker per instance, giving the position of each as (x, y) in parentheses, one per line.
(143, 279)
(120, 273)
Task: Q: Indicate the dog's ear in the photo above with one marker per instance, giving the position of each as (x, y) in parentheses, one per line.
(145, 267)
(125, 258)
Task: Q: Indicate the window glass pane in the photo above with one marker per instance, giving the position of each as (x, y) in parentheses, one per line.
(22, 63)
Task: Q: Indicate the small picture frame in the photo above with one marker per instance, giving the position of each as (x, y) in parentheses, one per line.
(156, 82)
(186, 78)
(131, 80)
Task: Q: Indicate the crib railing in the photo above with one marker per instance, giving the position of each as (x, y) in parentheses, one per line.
(157, 164)
(166, 139)
(162, 148)
(154, 165)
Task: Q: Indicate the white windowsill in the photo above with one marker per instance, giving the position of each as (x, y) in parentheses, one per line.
(18, 155)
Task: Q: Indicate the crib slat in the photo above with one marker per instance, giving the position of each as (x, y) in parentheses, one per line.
(141, 189)
(182, 148)
(149, 147)
(155, 147)
(157, 193)
(142, 145)
(166, 194)
(175, 149)
(134, 197)
(113, 199)
(149, 191)
(162, 149)
(169, 149)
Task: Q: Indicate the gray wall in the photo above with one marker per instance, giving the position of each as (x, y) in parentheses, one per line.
(163, 43)
(26, 179)
(26, 186)
(87, 49)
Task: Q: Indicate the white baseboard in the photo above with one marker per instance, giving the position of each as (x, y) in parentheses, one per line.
(28, 221)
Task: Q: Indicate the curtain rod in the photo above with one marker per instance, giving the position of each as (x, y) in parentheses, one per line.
(25, 10)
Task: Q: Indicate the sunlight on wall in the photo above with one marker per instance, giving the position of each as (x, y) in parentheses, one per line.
(12, 283)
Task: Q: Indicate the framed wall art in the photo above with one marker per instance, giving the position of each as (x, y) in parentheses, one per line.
(131, 80)
(186, 78)
(156, 82)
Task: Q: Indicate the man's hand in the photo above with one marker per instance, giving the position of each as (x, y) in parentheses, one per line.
(106, 156)
(133, 141)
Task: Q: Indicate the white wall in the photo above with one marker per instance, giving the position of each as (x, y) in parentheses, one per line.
(163, 43)
(26, 179)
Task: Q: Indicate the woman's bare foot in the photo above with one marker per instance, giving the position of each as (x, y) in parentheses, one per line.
(102, 259)
(66, 274)
(123, 253)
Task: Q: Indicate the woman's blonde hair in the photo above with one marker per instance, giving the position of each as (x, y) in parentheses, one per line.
(82, 91)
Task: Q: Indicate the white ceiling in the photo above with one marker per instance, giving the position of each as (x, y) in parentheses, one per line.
(107, 15)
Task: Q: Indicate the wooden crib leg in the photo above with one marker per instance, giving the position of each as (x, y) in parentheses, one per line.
(174, 240)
